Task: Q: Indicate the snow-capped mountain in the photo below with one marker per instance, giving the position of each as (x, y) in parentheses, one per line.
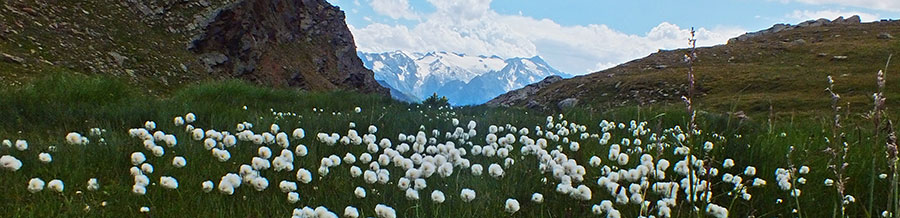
(464, 79)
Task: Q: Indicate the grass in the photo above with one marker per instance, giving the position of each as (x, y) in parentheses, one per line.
(43, 111)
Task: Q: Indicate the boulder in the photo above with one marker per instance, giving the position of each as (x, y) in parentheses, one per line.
(118, 58)
(852, 20)
(885, 35)
(839, 20)
(567, 103)
(820, 22)
(12, 59)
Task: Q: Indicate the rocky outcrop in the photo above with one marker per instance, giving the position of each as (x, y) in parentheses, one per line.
(567, 103)
(516, 96)
(160, 44)
(784, 27)
(303, 43)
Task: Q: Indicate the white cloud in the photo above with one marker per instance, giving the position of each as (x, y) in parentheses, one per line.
(471, 27)
(800, 16)
(886, 5)
(394, 9)
(463, 9)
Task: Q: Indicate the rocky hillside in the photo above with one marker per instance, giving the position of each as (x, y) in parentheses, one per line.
(163, 43)
(784, 67)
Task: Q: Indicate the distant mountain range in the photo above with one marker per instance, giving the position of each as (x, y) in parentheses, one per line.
(464, 79)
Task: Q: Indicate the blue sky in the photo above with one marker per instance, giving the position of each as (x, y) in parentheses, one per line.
(579, 36)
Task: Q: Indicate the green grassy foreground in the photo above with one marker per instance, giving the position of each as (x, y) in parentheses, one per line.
(44, 111)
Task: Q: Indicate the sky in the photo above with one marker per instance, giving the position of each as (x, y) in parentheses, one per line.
(579, 36)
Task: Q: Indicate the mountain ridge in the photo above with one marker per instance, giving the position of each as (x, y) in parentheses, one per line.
(464, 79)
(782, 69)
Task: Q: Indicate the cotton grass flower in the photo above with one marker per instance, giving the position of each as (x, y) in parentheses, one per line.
(21, 145)
(595, 161)
(45, 158)
(209, 143)
(360, 192)
(384, 211)
(351, 212)
(293, 197)
(750, 171)
(147, 168)
(35, 185)
(221, 154)
(141, 180)
(145, 209)
(158, 151)
(537, 198)
(304, 176)
(803, 170)
(622, 159)
(467, 195)
(207, 186)
(139, 189)
(512, 205)
(10, 163)
(260, 183)
(300, 150)
(168, 182)
(93, 184)
(179, 162)
(495, 170)
(412, 194)
(370, 177)
(419, 184)
(74, 138)
(197, 134)
(260, 163)
(287, 186)
(137, 158)
(728, 163)
(437, 196)
(597, 209)
(190, 118)
(716, 211)
(56, 185)
(178, 121)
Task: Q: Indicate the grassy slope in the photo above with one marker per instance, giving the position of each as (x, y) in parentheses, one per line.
(750, 76)
(76, 37)
(44, 111)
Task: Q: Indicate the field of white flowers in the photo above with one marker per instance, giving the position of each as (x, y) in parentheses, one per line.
(273, 154)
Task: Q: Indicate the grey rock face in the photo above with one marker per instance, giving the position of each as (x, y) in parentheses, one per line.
(567, 103)
(253, 40)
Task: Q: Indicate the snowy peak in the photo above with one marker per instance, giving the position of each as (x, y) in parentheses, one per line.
(523, 71)
(454, 66)
(463, 78)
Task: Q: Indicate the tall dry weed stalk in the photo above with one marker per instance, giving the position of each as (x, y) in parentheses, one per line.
(838, 147)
